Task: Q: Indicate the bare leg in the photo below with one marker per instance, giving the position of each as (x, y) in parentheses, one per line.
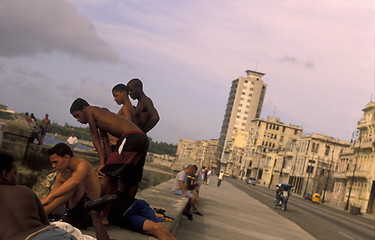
(129, 189)
(100, 231)
(109, 186)
(156, 229)
(166, 231)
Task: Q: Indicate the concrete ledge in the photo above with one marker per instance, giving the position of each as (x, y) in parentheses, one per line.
(159, 196)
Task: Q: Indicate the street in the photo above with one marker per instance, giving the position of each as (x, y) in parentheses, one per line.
(319, 220)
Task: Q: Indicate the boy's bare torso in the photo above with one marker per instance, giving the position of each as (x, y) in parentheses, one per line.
(141, 114)
(90, 184)
(45, 122)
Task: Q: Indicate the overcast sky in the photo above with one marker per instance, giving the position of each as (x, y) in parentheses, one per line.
(318, 57)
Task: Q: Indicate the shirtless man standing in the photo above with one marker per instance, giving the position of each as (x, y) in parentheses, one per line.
(127, 160)
(25, 217)
(43, 128)
(76, 183)
(146, 116)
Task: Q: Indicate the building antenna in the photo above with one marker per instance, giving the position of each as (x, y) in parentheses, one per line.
(274, 111)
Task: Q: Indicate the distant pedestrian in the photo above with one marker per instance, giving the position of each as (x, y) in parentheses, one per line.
(146, 116)
(72, 141)
(44, 128)
(209, 172)
(220, 178)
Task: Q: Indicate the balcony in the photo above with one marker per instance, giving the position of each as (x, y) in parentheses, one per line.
(340, 175)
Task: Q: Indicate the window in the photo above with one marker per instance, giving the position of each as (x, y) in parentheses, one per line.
(327, 150)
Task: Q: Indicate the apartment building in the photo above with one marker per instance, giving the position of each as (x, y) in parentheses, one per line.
(355, 176)
(316, 158)
(268, 149)
(200, 153)
(245, 103)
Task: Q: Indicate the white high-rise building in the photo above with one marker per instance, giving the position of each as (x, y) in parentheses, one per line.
(244, 104)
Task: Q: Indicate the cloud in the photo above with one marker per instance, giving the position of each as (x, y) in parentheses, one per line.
(36, 27)
(293, 60)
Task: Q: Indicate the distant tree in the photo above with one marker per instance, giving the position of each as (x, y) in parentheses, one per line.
(3, 107)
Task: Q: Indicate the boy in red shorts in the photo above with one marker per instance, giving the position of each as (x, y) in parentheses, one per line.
(126, 162)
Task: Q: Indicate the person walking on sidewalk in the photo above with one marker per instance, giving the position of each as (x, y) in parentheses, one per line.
(179, 188)
(220, 178)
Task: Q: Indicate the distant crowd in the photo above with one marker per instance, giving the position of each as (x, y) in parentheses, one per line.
(39, 130)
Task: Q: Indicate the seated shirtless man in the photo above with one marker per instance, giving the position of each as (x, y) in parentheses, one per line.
(76, 183)
(127, 160)
(25, 217)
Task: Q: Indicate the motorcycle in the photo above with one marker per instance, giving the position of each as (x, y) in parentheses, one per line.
(282, 195)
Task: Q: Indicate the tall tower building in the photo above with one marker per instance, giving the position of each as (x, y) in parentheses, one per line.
(244, 104)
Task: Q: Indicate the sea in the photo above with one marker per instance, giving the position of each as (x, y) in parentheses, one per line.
(51, 140)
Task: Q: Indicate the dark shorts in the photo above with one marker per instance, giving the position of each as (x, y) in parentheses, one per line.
(128, 158)
(137, 214)
(43, 130)
(78, 216)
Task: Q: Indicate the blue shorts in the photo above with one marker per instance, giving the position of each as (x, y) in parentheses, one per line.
(137, 214)
(54, 234)
(181, 193)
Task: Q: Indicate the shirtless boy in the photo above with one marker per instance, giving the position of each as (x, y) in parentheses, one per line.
(43, 128)
(25, 217)
(127, 160)
(146, 116)
(76, 183)
(120, 96)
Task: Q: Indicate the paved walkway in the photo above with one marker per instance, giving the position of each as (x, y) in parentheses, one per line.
(230, 214)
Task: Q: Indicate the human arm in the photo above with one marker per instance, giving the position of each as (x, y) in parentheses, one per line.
(70, 185)
(181, 183)
(42, 214)
(153, 115)
(105, 142)
(95, 136)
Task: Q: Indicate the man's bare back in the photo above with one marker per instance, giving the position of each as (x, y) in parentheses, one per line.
(24, 217)
(108, 121)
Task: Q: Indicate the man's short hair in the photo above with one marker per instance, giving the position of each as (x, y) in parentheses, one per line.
(190, 166)
(78, 105)
(195, 167)
(60, 149)
(137, 83)
(6, 162)
(120, 88)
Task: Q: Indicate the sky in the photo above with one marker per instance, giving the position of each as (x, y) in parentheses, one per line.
(317, 56)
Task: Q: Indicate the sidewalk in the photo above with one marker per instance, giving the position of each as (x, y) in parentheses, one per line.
(230, 214)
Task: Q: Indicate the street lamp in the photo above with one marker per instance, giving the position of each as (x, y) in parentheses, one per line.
(329, 170)
(355, 136)
(310, 163)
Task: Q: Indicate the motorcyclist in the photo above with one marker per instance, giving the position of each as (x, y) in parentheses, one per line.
(279, 193)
